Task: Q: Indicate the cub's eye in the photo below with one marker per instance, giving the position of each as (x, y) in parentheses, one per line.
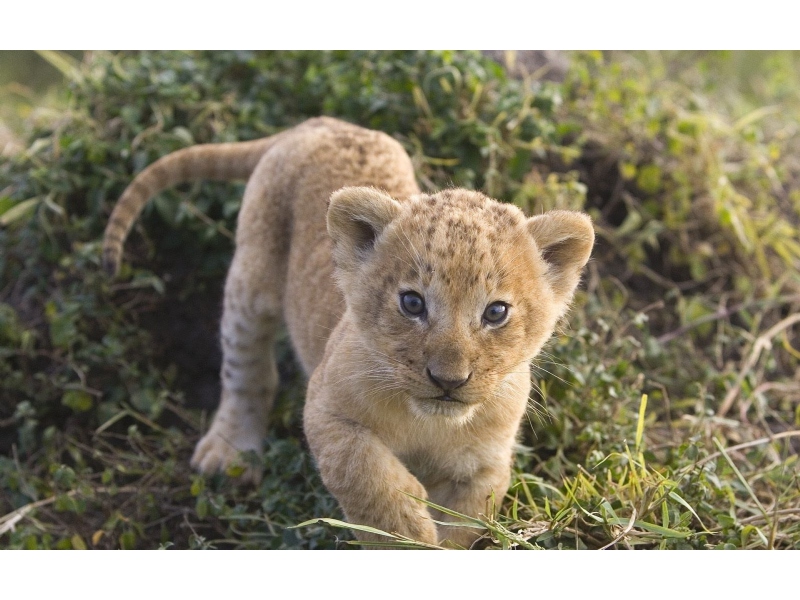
(496, 313)
(412, 303)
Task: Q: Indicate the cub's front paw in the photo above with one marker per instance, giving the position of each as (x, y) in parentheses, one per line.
(459, 537)
(220, 449)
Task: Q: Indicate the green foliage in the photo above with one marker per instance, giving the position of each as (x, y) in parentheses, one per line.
(711, 192)
(689, 299)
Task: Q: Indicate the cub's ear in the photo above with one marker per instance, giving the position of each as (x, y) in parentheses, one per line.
(356, 217)
(565, 239)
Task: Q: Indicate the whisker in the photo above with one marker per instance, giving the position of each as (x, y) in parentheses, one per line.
(567, 383)
(416, 257)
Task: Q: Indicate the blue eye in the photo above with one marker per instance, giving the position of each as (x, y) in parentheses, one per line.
(412, 303)
(496, 313)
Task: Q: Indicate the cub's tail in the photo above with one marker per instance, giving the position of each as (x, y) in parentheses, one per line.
(205, 161)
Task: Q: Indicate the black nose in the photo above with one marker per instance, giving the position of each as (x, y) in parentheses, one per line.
(448, 385)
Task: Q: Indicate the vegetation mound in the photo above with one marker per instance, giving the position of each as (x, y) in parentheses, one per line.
(666, 410)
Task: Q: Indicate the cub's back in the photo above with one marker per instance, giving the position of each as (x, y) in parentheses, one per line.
(285, 206)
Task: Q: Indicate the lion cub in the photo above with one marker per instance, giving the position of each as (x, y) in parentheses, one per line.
(416, 315)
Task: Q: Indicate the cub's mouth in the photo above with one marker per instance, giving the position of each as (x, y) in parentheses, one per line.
(447, 398)
(443, 405)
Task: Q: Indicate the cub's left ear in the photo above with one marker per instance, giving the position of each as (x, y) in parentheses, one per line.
(565, 239)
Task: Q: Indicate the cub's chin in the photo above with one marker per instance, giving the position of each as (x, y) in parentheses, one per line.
(443, 407)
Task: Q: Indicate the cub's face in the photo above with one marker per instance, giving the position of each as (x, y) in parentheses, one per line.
(451, 294)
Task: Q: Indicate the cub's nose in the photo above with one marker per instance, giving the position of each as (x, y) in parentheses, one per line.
(448, 385)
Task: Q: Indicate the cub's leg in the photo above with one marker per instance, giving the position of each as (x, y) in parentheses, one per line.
(249, 373)
(472, 498)
(367, 479)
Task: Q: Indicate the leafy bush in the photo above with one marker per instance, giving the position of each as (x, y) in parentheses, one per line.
(694, 277)
(705, 190)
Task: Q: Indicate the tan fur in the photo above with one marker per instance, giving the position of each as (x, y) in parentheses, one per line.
(385, 415)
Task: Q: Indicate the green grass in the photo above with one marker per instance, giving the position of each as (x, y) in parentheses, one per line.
(667, 408)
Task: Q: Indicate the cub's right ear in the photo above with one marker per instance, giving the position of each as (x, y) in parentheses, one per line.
(356, 217)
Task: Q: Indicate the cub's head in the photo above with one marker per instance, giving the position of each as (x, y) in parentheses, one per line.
(453, 294)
